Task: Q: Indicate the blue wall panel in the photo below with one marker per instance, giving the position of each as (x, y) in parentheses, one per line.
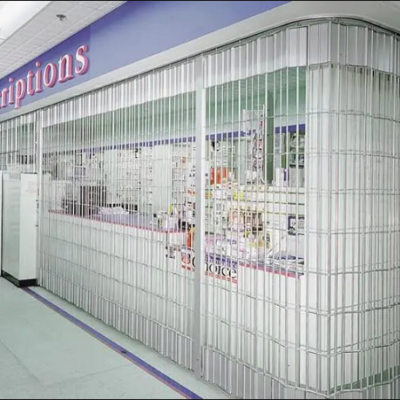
(139, 29)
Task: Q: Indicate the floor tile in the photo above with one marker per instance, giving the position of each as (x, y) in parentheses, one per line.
(43, 355)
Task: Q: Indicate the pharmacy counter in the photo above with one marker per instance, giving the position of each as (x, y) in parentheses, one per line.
(103, 260)
(107, 244)
(124, 260)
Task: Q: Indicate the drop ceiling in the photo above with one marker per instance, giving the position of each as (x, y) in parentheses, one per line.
(45, 30)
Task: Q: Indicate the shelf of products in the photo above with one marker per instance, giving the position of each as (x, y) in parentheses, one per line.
(247, 216)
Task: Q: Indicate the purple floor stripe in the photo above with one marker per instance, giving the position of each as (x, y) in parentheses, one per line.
(177, 387)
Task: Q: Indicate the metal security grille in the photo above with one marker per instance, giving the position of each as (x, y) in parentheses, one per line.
(112, 218)
(19, 144)
(238, 212)
(301, 297)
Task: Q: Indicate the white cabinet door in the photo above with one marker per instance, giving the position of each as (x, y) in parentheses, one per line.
(11, 224)
(28, 227)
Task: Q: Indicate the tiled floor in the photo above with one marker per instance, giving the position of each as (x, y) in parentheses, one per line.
(43, 355)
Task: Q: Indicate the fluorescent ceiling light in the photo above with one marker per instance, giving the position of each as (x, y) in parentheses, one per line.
(15, 14)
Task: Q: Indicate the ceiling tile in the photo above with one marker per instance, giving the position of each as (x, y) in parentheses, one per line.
(45, 31)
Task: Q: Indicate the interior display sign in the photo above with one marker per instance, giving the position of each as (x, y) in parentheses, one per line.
(44, 76)
(221, 267)
(216, 266)
(187, 259)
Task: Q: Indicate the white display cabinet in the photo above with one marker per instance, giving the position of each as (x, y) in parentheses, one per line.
(20, 228)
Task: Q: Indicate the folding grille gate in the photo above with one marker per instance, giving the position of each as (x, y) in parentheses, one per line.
(237, 212)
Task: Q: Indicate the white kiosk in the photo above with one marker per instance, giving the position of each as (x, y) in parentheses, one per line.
(19, 225)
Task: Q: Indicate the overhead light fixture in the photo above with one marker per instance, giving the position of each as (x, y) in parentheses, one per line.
(61, 17)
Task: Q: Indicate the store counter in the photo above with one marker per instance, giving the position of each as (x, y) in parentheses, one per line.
(112, 241)
(125, 262)
(132, 220)
(125, 259)
(109, 254)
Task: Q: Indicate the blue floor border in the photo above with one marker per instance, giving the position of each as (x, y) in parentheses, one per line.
(177, 387)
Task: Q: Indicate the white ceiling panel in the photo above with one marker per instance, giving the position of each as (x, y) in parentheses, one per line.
(45, 30)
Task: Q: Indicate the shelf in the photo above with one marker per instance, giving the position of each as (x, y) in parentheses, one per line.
(182, 140)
